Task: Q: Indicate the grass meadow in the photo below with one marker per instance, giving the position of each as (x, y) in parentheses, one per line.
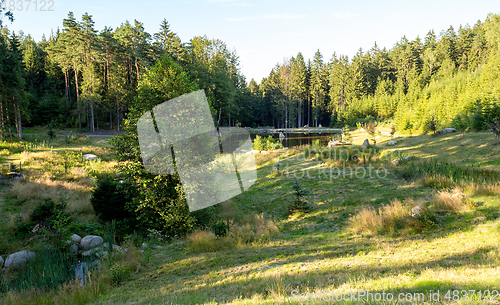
(357, 236)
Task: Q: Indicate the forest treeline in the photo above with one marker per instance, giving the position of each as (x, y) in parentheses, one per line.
(83, 78)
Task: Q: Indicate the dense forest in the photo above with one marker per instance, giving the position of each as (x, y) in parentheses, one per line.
(83, 78)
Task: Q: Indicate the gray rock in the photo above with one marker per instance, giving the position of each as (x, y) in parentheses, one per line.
(416, 211)
(116, 248)
(447, 130)
(16, 176)
(16, 260)
(92, 251)
(73, 249)
(392, 143)
(91, 241)
(1, 262)
(90, 157)
(76, 238)
(365, 144)
(101, 254)
(320, 126)
(144, 246)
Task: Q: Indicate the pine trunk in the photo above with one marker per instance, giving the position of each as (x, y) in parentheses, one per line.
(78, 100)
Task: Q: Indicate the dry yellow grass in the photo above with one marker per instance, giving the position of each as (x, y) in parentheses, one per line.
(77, 194)
(201, 241)
(388, 217)
(252, 229)
(448, 201)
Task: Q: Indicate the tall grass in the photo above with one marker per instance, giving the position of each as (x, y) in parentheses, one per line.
(451, 172)
(47, 271)
(388, 219)
(396, 217)
(255, 229)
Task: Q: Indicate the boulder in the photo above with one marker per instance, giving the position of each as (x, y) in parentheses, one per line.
(116, 248)
(16, 176)
(1, 262)
(320, 126)
(92, 251)
(416, 211)
(76, 238)
(16, 260)
(447, 130)
(392, 143)
(144, 246)
(365, 144)
(91, 241)
(101, 254)
(90, 157)
(73, 249)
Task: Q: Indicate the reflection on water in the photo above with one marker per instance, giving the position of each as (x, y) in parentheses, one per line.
(298, 139)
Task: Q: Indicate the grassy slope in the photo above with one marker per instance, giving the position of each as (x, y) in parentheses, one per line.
(316, 251)
(39, 165)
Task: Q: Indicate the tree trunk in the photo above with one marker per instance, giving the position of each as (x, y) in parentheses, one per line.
(92, 123)
(309, 111)
(20, 125)
(2, 123)
(110, 117)
(117, 116)
(78, 99)
(137, 69)
(66, 88)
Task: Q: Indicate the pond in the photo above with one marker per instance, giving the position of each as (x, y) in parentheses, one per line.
(297, 139)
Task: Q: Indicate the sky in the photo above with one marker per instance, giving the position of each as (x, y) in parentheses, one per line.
(265, 33)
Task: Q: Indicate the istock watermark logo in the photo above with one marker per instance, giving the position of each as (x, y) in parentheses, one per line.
(180, 135)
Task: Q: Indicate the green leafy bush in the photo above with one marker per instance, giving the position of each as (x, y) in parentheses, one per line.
(110, 199)
(258, 143)
(119, 273)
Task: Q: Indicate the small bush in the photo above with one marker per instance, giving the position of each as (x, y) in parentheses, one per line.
(299, 204)
(119, 273)
(258, 143)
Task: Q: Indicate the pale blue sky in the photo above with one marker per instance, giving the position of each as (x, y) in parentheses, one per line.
(263, 33)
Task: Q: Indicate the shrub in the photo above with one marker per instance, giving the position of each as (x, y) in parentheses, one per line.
(119, 273)
(478, 121)
(56, 221)
(431, 124)
(258, 143)
(110, 199)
